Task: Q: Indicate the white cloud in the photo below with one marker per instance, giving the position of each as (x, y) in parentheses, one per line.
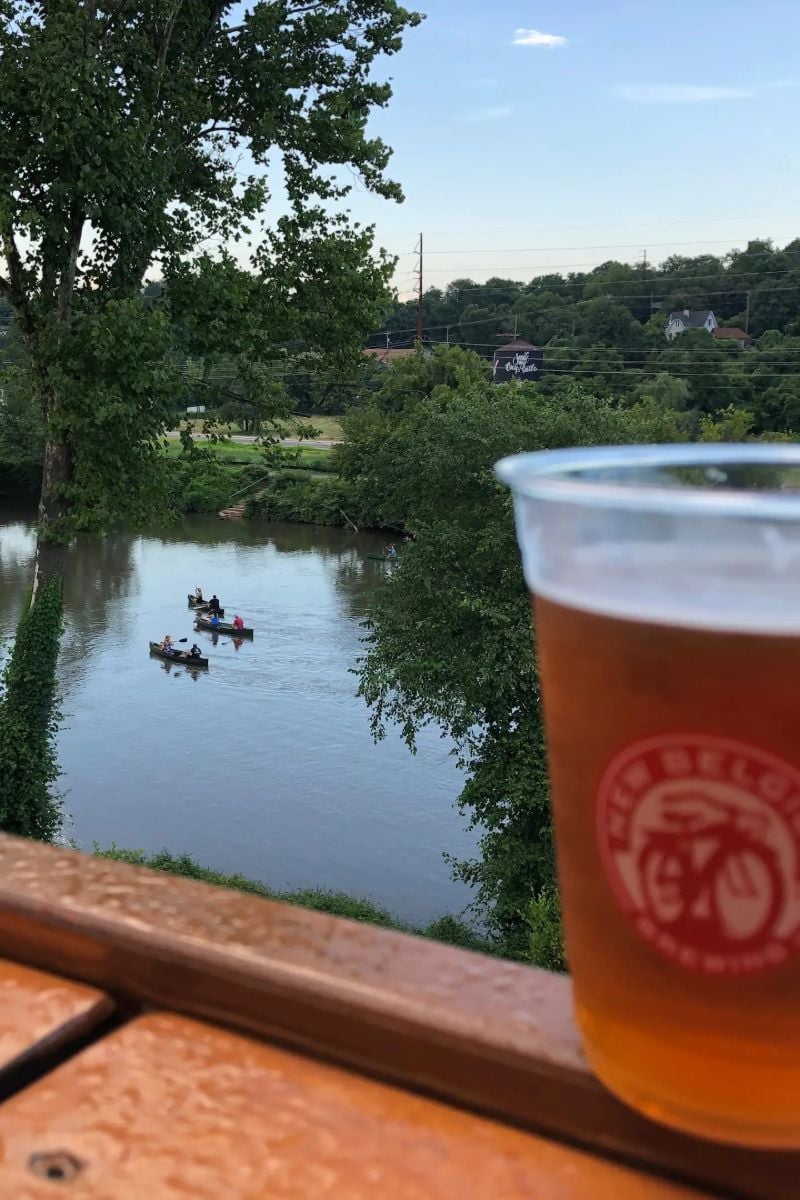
(495, 113)
(678, 93)
(534, 37)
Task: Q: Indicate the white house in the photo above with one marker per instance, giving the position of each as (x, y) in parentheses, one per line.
(690, 318)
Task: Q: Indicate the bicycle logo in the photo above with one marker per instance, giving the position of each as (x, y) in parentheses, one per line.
(700, 839)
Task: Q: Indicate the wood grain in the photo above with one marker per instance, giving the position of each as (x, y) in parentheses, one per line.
(40, 1015)
(172, 1109)
(491, 1035)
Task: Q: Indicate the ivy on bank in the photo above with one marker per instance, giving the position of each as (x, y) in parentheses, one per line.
(29, 722)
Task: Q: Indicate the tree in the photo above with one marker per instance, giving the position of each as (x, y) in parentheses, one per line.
(122, 129)
(668, 391)
(122, 125)
(449, 636)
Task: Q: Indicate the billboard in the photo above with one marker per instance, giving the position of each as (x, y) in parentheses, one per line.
(517, 360)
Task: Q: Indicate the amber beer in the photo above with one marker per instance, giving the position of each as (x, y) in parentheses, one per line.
(665, 584)
(703, 1029)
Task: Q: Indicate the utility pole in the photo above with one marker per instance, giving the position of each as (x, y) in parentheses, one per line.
(421, 293)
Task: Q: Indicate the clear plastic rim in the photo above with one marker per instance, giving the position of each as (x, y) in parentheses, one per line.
(555, 475)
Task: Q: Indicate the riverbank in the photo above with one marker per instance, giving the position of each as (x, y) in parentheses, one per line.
(450, 930)
(301, 485)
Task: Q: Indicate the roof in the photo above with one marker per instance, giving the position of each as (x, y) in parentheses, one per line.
(388, 354)
(733, 332)
(693, 318)
(519, 344)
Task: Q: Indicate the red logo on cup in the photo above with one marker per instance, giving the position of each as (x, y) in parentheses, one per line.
(700, 839)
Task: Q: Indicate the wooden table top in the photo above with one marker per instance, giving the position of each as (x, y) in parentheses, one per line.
(172, 1109)
(161, 1038)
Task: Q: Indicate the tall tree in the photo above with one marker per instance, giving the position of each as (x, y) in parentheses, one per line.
(449, 640)
(123, 127)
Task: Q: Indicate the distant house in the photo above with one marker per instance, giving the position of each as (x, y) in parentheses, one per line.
(732, 333)
(690, 318)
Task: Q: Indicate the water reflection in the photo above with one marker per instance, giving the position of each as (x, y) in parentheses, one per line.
(279, 778)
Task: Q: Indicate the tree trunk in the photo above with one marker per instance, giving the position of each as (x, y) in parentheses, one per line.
(50, 547)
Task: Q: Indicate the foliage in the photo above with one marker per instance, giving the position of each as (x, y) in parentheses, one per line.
(606, 328)
(447, 929)
(546, 937)
(449, 635)
(204, 485)
(314, 501)
(29, 722)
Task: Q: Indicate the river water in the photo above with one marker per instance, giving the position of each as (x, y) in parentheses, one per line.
(265, 764)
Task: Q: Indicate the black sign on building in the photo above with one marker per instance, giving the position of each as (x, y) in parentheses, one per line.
(517, 360)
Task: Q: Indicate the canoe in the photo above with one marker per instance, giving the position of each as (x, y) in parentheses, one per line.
(204, 606)
(223, 627)
(383, 557)
(180, 656)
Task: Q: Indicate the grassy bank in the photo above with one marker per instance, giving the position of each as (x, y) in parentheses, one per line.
(329, 429)
(311, 458)
(451, 930)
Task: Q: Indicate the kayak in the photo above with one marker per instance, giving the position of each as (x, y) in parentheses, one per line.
(180, 656)
(383, 557)
(223, 627)
(202, 605)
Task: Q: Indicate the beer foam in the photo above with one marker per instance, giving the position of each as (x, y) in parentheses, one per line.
(754, 588)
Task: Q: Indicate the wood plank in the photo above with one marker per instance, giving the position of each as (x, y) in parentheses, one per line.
(492, 1035)
(40, 1016)
(169, 1108)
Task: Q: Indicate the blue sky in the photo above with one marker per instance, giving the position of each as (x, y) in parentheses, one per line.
(612, 127)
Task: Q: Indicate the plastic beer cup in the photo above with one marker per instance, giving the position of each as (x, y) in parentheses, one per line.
(665, 584)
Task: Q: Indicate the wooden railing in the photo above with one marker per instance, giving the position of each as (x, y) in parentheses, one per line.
(187, 1041)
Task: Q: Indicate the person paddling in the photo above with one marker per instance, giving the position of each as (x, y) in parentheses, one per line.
(198, 595)
(167, 646)
(215, 621)
(214, 604)
(238, 622)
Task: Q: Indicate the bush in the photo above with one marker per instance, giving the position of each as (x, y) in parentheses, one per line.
(313, 501)
(199, 484)
(29, 722)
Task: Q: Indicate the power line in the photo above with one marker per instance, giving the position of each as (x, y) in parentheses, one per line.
(606, 246)
(631, 224)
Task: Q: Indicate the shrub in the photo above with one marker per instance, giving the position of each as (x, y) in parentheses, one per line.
(29, 722)
(315, 501)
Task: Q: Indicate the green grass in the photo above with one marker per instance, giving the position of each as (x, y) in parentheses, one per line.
(330, 428)
(245, 453)
(327, 428)
(446, 929)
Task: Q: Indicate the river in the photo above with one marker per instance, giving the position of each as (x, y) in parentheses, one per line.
(265, 764)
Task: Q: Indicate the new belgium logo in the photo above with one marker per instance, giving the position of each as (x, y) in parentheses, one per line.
(700, 839)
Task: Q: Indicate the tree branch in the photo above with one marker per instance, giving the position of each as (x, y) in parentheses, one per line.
(216, 17)
(66, 286)
(15, 283)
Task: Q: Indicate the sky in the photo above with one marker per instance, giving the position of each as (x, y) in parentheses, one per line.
(557, 135)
